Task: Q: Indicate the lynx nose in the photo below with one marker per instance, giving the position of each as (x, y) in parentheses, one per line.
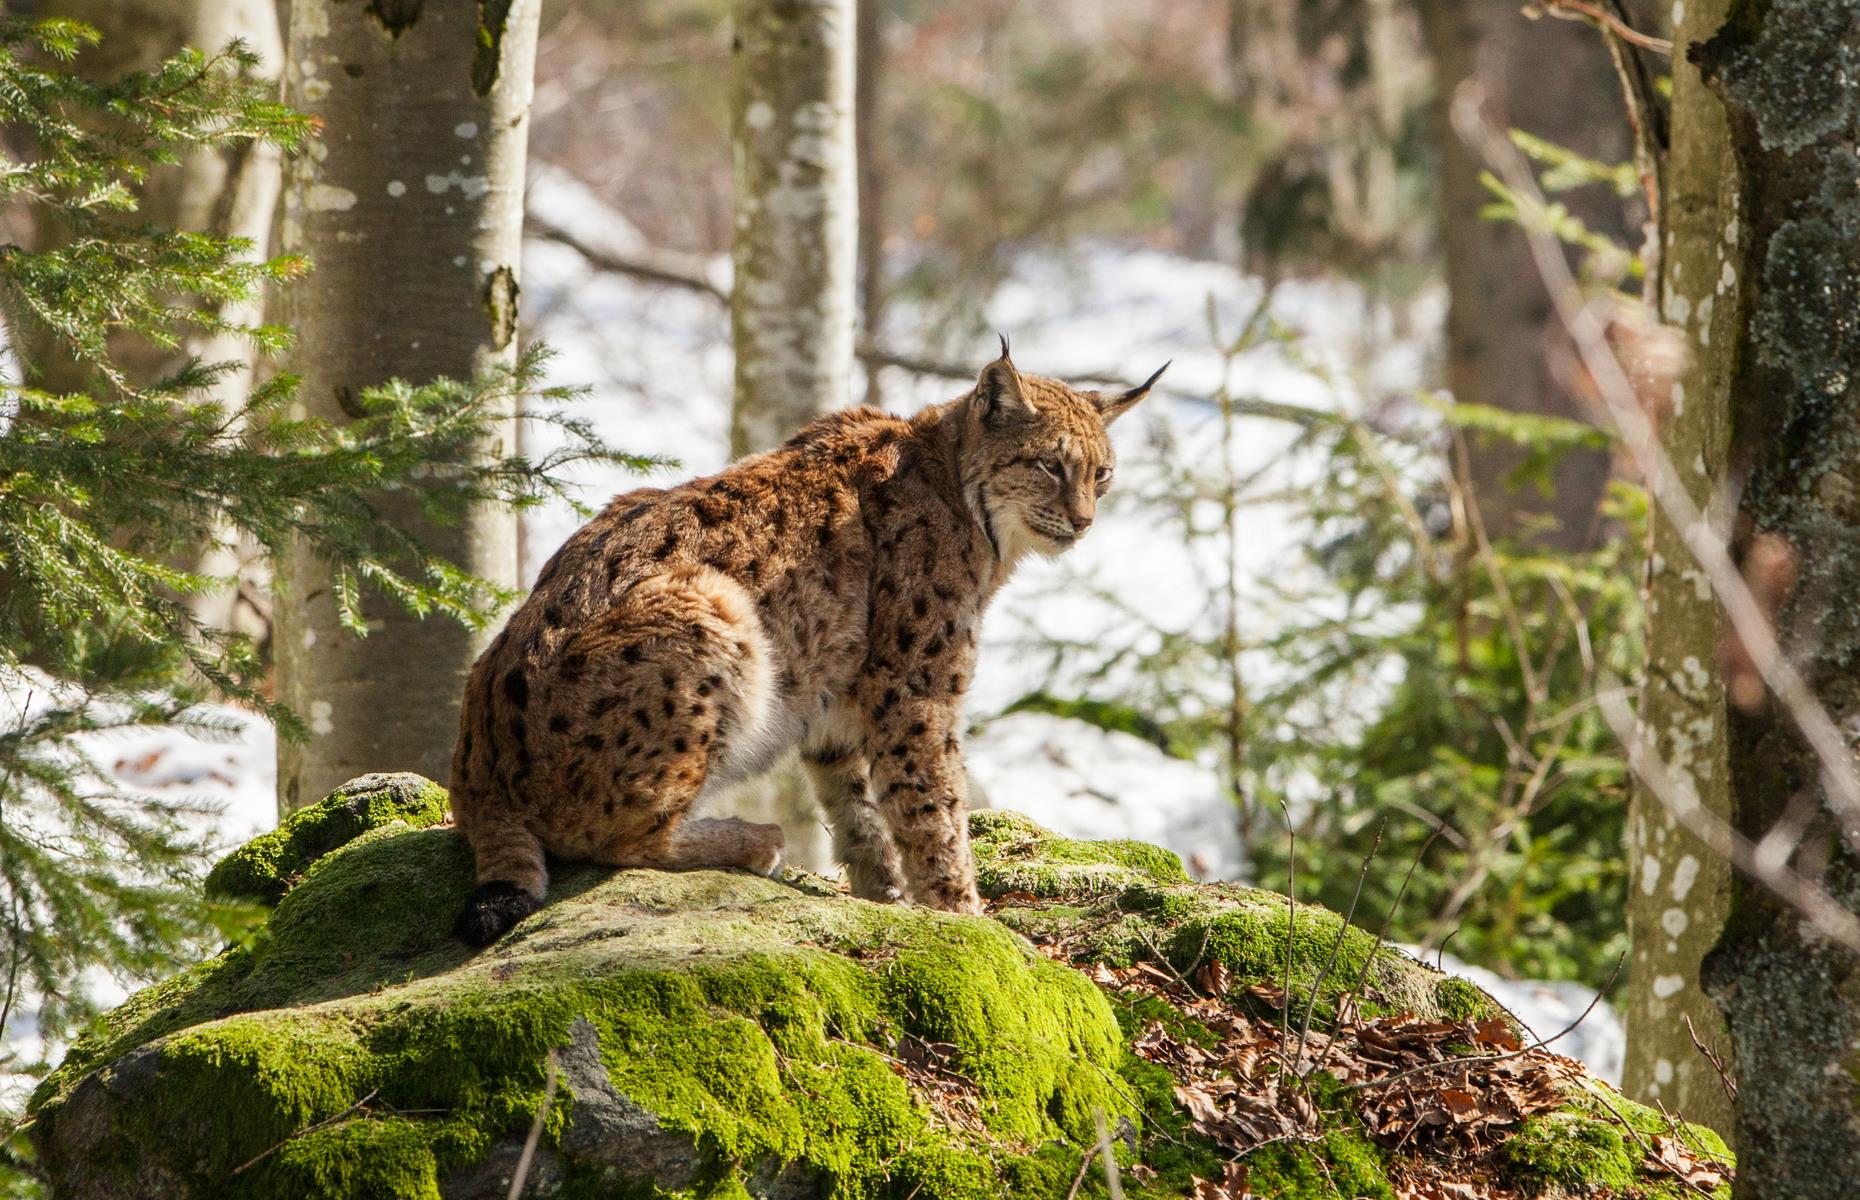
(1081, 523)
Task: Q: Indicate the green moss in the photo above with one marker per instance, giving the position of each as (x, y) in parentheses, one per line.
(362, 1159)
(755, 1027)
(1566, 1152)
(1461, 1000)
(755, 1018)
(1344, 1165)
(264, 868)
(1013, 854)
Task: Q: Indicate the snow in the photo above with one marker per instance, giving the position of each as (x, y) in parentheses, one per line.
(230, 784)
(1547, 1009)
(1087, 782)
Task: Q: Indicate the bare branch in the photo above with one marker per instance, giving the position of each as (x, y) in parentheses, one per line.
(1583, 10)
(1708, 546)
(659, 266)
(1808, 898)
(688, 273)
(1473, 1060)
(522, 1174)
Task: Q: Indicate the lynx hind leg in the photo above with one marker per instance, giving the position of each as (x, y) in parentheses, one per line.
(648, 703)
(860, 840)
(714, 842)
(512, 880)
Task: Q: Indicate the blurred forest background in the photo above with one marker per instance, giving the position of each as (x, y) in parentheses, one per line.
(1401, 563)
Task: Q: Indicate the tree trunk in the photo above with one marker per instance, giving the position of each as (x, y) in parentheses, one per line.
(868, 124)
(229, 192)
(1680, 891)
(1553, 79)
(1784, 252)
(411, 206)
(791, 312)
(795, 250)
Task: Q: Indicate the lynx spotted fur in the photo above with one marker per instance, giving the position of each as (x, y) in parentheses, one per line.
(826, 595)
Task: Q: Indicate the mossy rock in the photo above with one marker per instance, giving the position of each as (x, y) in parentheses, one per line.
(713, 1034)
(264, 868)
(1012, 854)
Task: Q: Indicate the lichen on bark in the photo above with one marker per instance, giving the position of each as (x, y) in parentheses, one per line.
(411, 207)
(1679, 890)
(792, 140)
(1785, 72)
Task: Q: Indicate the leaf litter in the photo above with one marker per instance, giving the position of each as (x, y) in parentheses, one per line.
(1441, 1097)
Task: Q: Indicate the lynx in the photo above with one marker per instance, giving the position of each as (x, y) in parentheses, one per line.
(825, 595)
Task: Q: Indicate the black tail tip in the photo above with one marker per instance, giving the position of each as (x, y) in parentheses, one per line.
(492, 911)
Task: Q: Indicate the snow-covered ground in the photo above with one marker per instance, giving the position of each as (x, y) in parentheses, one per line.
(1094, 783)
(659, 364)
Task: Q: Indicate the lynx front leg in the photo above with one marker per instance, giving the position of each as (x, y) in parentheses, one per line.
(917, 773)
(860, 840)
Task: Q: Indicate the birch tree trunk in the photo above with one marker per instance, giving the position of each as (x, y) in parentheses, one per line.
(791, 311)
(1553, 79)
(411, 206)
(795, 251)
(868, 123)
(1783, 251)
(1680, 891)
(229, 192)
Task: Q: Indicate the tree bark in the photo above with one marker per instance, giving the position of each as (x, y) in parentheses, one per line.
(1553, 79)
(868, 123)
(1786, 257)
(411, 206)
(791, 311)
(1680, 892)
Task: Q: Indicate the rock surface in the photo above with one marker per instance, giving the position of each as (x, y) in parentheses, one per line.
(707, 1033)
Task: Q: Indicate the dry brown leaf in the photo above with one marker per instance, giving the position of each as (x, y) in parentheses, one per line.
(1271, 993)
(1495, 1033)
(1679, 1158)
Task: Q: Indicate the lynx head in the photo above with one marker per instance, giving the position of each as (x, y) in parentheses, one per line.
(1038, 458)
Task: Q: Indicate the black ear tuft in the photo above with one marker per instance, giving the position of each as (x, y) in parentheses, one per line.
(1004, 345)
(999, 396)
(1113, 407)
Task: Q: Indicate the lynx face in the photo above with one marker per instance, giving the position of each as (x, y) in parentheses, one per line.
(1040, 458)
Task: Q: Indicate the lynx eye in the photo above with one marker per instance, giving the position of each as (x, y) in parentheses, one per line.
(1054, 469)
(1104, 474)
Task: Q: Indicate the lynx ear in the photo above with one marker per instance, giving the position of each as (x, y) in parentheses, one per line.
(998, 395)
(1112, 407)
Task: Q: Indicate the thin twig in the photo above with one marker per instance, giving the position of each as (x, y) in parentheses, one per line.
(1343, 931)
(1291, 926)
(688, 274)
(1582, 10)
(1353, 997)
(1590, 1086)
(1804, 895)
(1708, 547)
(1079, 1179)
(657, 266)
(1474, 1060)
(536, 1127)
(1717, 1064)
(1158, 955)
(261, 1156)
(1699, 1148)
(1111, 1179)
(1440, 951)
